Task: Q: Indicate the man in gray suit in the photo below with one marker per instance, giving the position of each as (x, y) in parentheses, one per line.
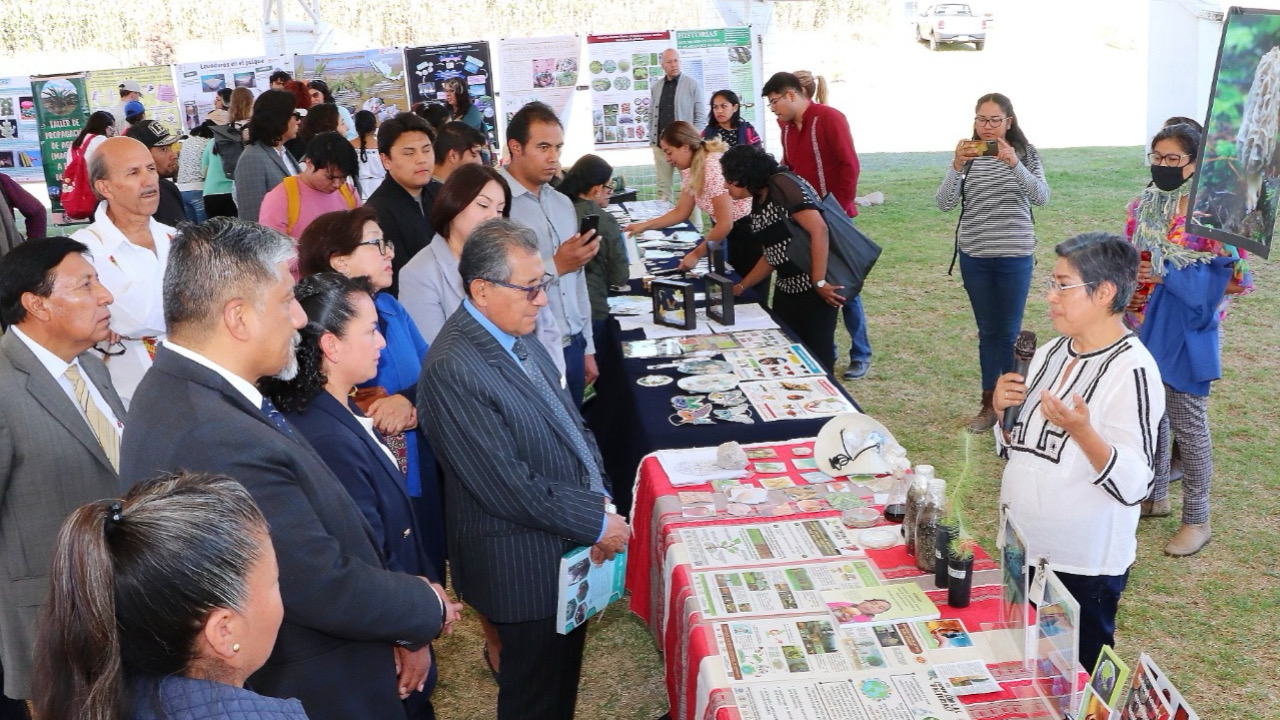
(60, 425)
(674, 96)
(523, 478)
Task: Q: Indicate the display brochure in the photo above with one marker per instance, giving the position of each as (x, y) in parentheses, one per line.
(777, 591)
(620, 68)
(62, 109)
(372, 80)
(199, 82)
(775, 363)
(428, 66)
(586, 588)
(1151, 696)
(724, 59)
(1057, 643)
(159, 95)
(1108, 682)
(970, 677)
(544, 69)
(775, 649)
(761, 338)
(1178, 705)
(944, 634)
(696, 466)
(676, 346)
(768, 543)
(815, 397)
(1015, 571)
(872, 695)
(19, 135)
(883, 604)
(629, 304)
(1092, 708)
(875, 647)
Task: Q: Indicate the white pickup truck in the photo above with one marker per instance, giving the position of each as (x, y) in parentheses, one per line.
(951, 23)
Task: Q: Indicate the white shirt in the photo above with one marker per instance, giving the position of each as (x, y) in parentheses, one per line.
(57, 367)
(135, 277)
(367, 424)
(245, 387)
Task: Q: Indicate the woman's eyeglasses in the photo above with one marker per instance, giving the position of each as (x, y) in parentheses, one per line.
(989, 122)
(381, 243)
(1052, 285)
(106, 349)
(531, 291)
(1170, 160)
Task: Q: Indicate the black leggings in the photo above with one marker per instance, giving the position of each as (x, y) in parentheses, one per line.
(812, 320)
(743, 251)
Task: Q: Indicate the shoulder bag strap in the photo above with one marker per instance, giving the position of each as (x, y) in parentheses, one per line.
(293, 202)
(817, 156)
(955, 252)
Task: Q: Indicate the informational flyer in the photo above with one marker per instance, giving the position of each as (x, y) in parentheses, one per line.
(772, 543)
(586, 588)
(874, 695)
(801, 399)
(159, 96)
(372, 80)
(776, 591)
(543, 69)
(620, 68)
(773, 363)
(875, 647)
(19, 136)
(968, 677)
(62, 109)
(430, 65)
(874, 605)
(723, 59)
(199, 82)
(799, 647)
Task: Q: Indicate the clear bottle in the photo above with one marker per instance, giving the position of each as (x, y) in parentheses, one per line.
(896, 506)
(915, 496)
(926, 525)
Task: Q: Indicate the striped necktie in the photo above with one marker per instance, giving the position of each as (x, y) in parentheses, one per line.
(99, 423)
(558, 409)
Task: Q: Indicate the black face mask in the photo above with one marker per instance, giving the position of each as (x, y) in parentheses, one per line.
(1168, 178)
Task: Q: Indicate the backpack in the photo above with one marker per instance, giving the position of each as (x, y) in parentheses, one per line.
(293, 201)
(228, 144)
(76, 194)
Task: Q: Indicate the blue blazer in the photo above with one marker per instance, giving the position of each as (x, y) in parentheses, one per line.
(373, 481)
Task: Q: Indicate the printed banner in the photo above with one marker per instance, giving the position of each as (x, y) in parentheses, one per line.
(62, 109)
(429, 66)
(723, 59)
(159, 96)
(372, 80)
(19, 139)
(619, 68)
(543, 69)
(199, 82)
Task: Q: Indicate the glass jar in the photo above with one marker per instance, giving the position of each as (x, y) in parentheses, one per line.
(915, 496)
(926, 525)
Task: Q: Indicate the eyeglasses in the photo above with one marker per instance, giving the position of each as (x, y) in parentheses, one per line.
(340, 179)
(114, 349)
(989, 122)
(381, 243)
(531, 291)
(1171, 160)
(775, 100)
(1053, 286)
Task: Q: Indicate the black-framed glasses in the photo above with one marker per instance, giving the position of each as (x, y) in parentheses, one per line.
(114, 349)
(531, 291)
(1170, 160)
(989, 122)
(381, 243)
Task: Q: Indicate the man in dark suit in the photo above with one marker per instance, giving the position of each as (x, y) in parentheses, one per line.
(405, 197)
(60, 424)
(523, 479)
(232, 319)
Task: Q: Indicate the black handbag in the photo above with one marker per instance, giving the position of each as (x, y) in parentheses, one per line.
(850, 253)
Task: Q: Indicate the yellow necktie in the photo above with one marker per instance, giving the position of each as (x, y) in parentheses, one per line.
(99, 423)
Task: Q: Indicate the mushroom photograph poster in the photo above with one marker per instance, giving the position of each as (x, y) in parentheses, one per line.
(620, 69)
(19, 139)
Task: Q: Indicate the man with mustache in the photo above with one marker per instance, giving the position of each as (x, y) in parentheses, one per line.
(128, 248)
(354, 632)
(163, 147)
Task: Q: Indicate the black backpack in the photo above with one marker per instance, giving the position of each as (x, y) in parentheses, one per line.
(228, 143)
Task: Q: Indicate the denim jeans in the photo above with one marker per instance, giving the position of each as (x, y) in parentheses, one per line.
(855, 321)
(575, 369)
(193, 205)
(997, 290)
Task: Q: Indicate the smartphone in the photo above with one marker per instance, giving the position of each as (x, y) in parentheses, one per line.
(590, 222)
(989, 148)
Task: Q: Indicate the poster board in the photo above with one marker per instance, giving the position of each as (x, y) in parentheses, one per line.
(545, 69)
(430, 65)
(199, 82)
(1236, 188)
(372, 80)
(159, 96)
(19, 139)
(62, 109)
(619, 68)
(723, 59)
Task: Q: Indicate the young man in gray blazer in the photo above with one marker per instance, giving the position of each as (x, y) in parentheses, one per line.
(60, 425)
(523, 477)
(674, 96)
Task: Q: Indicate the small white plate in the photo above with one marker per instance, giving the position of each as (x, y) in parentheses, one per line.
(878, 538)
(708, 383)
(655, 380)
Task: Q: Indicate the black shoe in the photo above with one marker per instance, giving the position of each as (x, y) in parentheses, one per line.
(857, 370)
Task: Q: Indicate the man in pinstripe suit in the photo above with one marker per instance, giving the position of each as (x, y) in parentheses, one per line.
(523, 478)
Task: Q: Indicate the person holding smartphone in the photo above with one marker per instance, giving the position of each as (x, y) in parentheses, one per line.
(588, 184)
(995, 178)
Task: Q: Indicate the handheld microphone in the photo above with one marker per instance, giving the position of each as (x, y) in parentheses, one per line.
(1024, 348)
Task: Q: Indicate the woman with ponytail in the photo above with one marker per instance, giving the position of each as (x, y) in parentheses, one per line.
(366, 144)
(161, 605)
(588, 184)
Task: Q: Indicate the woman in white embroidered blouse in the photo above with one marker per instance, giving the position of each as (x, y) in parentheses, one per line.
(1081, 453)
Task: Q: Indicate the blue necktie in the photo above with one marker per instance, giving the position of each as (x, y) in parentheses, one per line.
(548, 395)
(269, 409)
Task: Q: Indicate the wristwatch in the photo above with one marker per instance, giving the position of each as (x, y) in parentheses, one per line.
(610, 508)
(820, 284)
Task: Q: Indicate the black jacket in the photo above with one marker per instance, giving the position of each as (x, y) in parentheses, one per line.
(404, 221)
(170, 211)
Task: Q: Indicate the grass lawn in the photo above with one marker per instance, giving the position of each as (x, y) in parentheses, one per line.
(1203, 619)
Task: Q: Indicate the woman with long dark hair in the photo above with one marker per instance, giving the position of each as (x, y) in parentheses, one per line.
(588, 184)
(218, 198)
(320, 94)
(320, 119)
(101, 125)
(458, 96)
(366, 144)
(995, 177)
(265, 161)
(161, 605)
(725, 122)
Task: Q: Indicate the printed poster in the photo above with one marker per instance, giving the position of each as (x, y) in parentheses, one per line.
(620, 68)
(199, 82)
(800, 399)
(430, 65)
(874, 605)
(774, 591)
(19, 137)
(882, 695)
(756, 650)
(723, 59)
(62, 109)
(544, 69)
(159, 96)
(770, 543)
(372, 80)
(778, 362)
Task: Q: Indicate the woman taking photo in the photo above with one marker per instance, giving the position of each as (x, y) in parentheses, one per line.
(218, 200)
(350, 242)
(803, 298)
(588, 184)
(265, 162)
(1186, 284)
(995, 177)
(1080, 453)
(161, 605)
(726, 122)
(340, 349)
(366, 144)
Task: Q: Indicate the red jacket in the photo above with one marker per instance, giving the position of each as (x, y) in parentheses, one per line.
(821, 151)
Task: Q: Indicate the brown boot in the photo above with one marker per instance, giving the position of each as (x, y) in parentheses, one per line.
(986, 417)
(1156, 508)
(1188, 540)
